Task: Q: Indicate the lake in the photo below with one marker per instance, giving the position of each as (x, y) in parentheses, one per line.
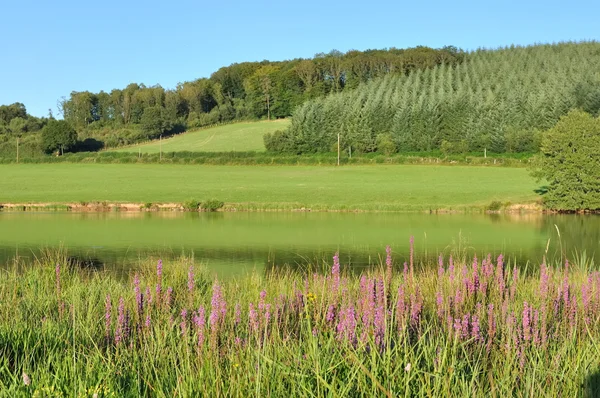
(231, 243)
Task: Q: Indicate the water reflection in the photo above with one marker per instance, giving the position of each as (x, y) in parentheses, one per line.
(229, 243)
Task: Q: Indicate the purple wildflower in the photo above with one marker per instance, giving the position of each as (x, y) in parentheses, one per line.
(218, 307)
(237, 314)
(252, 318)
(400, 307)
(169, 297)
(138, 294)
(148, 321)
(526, 322)
(190, 283)
(475, 329)
(335, 272)
(183, 324)
(440, 266)
(451, 268)
(330, 317)
(388, 265)
(120, 321)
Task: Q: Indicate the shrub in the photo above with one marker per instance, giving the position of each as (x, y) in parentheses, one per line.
(386, 145)
(212, 205)
(570, 163)
(191, 205)
(494, 206)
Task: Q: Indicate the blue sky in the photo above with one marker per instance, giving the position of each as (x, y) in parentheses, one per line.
(52, 48)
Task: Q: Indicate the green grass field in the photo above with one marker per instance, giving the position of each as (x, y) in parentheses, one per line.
(382, 187)
(247, 136)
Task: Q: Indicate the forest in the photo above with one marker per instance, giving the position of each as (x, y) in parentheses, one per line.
(494, 100)
(241, 91)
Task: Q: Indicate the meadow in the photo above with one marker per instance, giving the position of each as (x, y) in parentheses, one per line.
(461, 327)
(242, 136)
(382, 187)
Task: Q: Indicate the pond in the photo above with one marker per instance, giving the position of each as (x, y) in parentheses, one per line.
(231, 243)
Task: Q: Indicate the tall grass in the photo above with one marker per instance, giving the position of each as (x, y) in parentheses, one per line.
(482, 328)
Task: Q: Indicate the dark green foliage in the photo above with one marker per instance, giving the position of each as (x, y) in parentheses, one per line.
(492, 100)
(248, 90)
(191, 205)
(494, 206)
(212, 205)
(570, 163)
(154, 122)
(58, 136)
(386, 144)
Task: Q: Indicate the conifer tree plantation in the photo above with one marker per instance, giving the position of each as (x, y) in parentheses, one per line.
(495, 100)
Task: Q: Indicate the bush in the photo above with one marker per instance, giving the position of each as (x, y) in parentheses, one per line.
(191, 205)
(212, 205)
(570, 163)
(386, 145)
(454, 148)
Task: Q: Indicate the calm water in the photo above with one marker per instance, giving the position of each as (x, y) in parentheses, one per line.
(229, 243)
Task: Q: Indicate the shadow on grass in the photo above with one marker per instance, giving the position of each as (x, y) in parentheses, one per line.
(591, 387)
(541, 190)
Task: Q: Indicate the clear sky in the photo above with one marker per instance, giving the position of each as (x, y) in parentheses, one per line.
(50, 48)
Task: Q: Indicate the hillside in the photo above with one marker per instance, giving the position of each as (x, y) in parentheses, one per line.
(497, 100)
(244, 136)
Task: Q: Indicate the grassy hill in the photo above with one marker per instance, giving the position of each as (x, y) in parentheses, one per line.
(245, 136)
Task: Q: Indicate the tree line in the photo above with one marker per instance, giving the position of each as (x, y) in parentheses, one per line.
(248, 90)
(494, 100)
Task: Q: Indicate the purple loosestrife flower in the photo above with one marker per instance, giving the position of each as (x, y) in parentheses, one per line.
(138, 294)
(573, 314)
(388, 266)
(261, 301)
(400, 307)
(200, 322)
(159, 271)
(475, 329)
(169, 297)
(346, 328)
(330, 317)
(267, 314)
(335, 273)
(183, 324)
(218, 306)
(415, 308)
(191, 283)
(451, 268)
(379, 318)
(252, 318)
(148, 295)
(457, 326)
(440, 266)
(526, 322)
(107, 314)
(120, 321)
(464, 326)
(439, 302)
(237, 314)
(513, 286)
(369, 304)
(148, 321)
